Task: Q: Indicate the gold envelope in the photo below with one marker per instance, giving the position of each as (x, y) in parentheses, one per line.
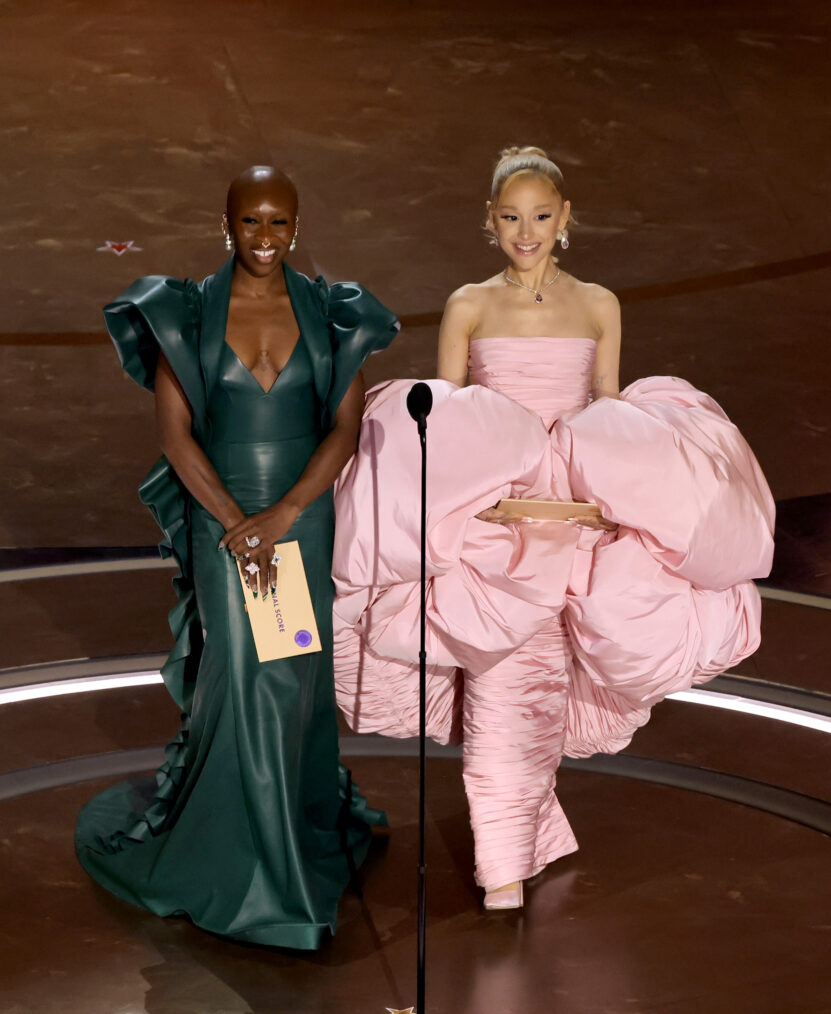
(546, 510)
(283, 621)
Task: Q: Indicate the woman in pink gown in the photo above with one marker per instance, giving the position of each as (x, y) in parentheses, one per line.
(549, 638)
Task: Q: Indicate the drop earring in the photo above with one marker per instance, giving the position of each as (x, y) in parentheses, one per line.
(564, 243)
(229, 243)
(293, 244)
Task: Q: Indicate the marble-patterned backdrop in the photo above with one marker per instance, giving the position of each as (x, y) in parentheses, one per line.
(694, 143)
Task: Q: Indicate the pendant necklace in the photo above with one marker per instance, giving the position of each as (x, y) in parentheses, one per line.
(537, 292)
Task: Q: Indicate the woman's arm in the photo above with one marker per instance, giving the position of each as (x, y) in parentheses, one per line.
(457, 325)
(174, 420)
(324, 466)
(606, 376)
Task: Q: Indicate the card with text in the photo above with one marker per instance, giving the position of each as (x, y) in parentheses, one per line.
(283, 621)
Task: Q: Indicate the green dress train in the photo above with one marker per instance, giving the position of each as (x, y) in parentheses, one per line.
(251, 827)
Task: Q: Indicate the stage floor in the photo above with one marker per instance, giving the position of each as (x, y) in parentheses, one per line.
(676, 902)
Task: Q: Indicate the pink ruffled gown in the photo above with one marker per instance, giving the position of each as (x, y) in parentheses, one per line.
(543, 639)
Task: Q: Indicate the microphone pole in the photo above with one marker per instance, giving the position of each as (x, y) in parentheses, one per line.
(419, 403)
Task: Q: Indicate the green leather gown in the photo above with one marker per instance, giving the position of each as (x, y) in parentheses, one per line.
(251, 826)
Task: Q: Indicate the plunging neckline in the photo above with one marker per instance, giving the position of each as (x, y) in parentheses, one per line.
(250, 373)
(231, 347)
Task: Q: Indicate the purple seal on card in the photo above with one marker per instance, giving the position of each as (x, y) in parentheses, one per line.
(303, 638)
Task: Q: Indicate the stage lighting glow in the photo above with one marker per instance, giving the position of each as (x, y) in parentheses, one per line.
(761, 709)
(82, 685)
(706, 698)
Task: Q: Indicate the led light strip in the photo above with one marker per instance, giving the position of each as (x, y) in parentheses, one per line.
(53, 570)
(795, 598)
(708, 698)
(761, 709)
(81, 685)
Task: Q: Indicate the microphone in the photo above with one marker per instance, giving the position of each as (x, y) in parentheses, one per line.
(419, 403)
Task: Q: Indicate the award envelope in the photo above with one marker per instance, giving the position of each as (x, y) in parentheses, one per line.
(283, 622)
(546, 510)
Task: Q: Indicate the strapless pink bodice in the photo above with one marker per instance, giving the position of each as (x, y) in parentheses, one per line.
(550, 376)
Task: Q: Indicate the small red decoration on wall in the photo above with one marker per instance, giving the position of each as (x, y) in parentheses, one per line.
(120, 248)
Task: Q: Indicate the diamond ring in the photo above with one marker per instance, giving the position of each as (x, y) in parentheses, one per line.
(252, 568)
(275, 560)
(253, 541)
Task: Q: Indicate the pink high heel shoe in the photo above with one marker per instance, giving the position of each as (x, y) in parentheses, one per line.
(509, 896)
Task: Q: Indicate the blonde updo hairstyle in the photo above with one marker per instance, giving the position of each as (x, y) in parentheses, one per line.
(515, 162)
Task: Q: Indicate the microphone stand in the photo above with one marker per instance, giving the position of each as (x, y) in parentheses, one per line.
(422, 733)
(419, 403)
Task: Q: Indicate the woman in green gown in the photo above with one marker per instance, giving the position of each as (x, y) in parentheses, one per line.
(251, 827)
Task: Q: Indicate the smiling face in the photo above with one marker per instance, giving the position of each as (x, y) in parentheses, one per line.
(261, 217)
(526, 218)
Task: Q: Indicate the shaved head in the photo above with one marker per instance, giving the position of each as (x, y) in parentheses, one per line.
(258, 181)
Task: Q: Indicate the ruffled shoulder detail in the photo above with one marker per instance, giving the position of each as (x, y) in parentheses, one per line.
(159, 313)
(358, 325)
(163, 493)
(162, 314)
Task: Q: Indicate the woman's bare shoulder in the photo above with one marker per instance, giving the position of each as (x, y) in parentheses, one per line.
(467, 303)
(473, 293)
(601, 304)
(595, 295)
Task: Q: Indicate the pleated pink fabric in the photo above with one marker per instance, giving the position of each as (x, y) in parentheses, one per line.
(514, 732)
(543, 639)
(549, 376)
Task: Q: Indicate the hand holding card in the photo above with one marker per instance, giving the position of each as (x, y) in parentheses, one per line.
(283, 621)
